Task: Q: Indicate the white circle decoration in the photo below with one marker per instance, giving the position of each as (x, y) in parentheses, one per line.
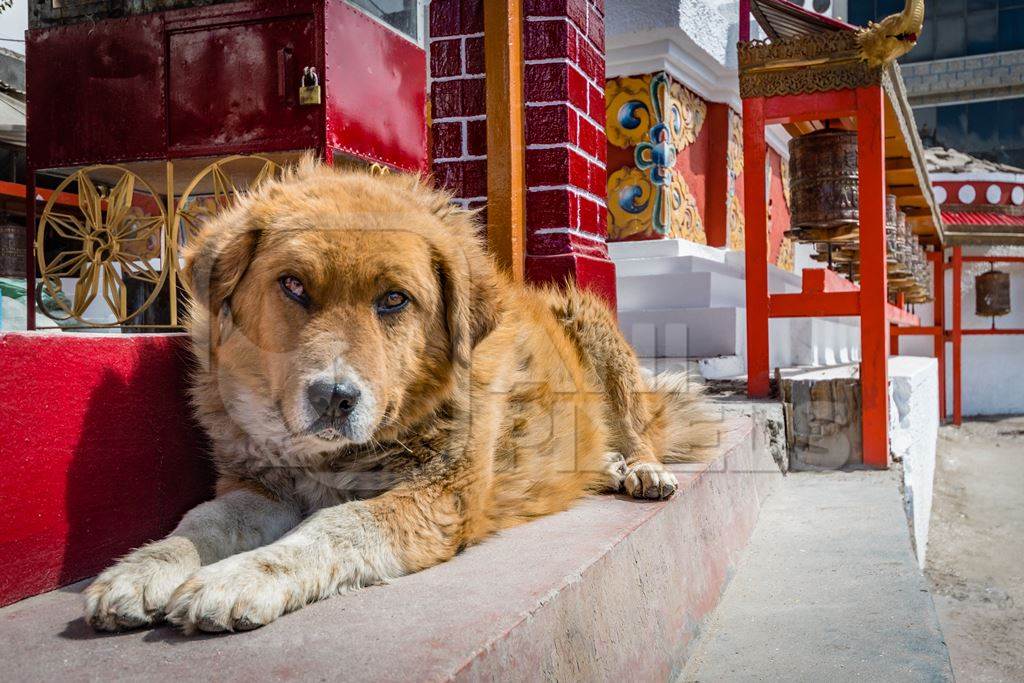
(993, 194)
(966, 194)
(940, 194)
(1017, 196)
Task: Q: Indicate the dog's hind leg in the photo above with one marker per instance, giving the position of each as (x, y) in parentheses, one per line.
(631, 413)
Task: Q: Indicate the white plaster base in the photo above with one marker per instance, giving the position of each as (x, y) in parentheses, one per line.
(913, 435)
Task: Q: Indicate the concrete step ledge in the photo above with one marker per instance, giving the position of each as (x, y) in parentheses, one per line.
(643, 249)
(613, 588)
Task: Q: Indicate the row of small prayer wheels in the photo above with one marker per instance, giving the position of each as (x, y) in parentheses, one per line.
(824, 211)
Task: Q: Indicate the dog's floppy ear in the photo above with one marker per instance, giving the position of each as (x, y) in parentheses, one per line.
(218, 258)
(469, 287)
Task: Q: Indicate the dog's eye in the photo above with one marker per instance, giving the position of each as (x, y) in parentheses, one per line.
(392, 302)
(294, 289)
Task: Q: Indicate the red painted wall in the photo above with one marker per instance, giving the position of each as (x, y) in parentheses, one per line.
(98, 451)
(778, 209)
(693, 164)
(104, 92)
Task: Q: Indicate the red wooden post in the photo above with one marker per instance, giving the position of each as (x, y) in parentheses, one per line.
(744, 20)
(894, 339)
(874, 327)
(756, 246)
(716, 224)
(30, 249)
(938, 259)
(958, 266)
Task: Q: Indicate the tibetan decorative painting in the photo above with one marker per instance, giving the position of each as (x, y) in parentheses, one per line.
(652, 120)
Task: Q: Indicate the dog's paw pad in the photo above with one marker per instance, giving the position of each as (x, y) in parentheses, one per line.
(615, 471)
(650, 481)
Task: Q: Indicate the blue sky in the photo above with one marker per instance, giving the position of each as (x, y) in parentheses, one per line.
(12, 25)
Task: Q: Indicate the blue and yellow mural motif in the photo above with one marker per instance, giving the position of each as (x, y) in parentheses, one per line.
(659, 118)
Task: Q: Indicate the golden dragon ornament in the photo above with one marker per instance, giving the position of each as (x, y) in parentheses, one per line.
(891, 38)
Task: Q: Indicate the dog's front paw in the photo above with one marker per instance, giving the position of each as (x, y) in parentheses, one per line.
(650, 480)
(237, 594)
(134, 592)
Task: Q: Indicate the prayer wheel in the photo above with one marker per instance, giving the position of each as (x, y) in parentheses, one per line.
(891, 230)
(992, 293)
(823, 186)
(12, 249)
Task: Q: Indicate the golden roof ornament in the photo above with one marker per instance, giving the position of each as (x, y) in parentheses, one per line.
(883, 42)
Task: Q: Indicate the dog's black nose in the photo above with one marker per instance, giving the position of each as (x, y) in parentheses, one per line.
(333, 400)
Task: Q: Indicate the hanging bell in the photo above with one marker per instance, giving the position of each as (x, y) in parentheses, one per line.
(992, 293)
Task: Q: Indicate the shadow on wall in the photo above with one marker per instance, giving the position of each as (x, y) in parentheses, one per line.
(139, 465)
(99, 453)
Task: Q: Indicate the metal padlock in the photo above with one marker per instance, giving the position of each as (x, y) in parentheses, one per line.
(309, 91)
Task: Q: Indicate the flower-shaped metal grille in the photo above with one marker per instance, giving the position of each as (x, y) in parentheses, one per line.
(218, 187)
(113, 238)
(214, 189)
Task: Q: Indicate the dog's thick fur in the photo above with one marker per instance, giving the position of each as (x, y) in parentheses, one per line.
(484, 404)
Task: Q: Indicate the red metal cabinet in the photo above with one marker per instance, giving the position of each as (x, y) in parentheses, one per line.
(95, 92)
(376, 86)
(235, 85)
(222, 80)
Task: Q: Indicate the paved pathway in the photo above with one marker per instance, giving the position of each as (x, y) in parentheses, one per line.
(829, 590)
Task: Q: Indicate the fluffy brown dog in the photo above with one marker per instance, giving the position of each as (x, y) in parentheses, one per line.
(379, 396)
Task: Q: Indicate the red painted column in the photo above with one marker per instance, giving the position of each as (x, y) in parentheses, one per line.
(874, 324)
(30, 249)
(566, 148)
(716, 223)
(958, 272)
(938, 259)
(756, 246)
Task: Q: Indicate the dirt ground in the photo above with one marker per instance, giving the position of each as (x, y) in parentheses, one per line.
(975, 560)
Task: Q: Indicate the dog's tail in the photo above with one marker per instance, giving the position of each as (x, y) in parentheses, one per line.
(691, 427)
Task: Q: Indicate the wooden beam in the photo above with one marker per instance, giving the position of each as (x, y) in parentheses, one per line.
(506, 183)
(899, 164)
(900, 177)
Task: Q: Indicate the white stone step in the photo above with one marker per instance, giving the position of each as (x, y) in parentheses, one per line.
(657, 248)
(679, 290)
(661, 265)
(684, 332)
(778, 280)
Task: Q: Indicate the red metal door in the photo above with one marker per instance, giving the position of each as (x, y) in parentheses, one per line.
(233, 86)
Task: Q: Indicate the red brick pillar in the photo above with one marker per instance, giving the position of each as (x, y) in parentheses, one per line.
(458, 110)
(563, 52)
(566, 214)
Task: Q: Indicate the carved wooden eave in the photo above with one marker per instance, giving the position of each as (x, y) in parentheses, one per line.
(910, 183)
(803, 65)
(830, 60)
